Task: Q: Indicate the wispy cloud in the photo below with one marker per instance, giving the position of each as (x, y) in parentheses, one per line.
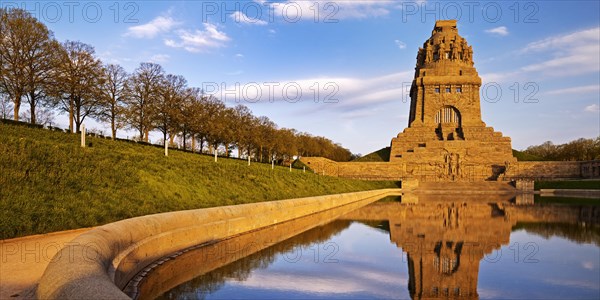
(330, 10)
(348, 93)
(400, 44)
(151, 29)
(558, 56)
(199, 40)
(160, 58)
(576, 90)
(501, 31)
(571, 54)
(594, 108)
(242, 18)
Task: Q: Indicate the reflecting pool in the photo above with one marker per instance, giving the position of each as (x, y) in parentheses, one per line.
(401, 248)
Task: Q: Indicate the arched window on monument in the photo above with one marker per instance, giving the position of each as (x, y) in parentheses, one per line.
(448, 114)
(449, 124)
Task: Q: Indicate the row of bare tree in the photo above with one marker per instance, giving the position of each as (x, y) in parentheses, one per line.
(37, 70)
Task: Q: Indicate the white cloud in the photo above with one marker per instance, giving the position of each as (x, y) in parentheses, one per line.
(594, 108)
(400, 44)
(348, 93)
(242, 18)
(578, 38)
(160, 58)
(588, 265)
(329, 10)
(571, 54)
(564, 56)
(369, 280)
(199, 40)
(239, 55)
(501, 31)
(576, 90)
(150, 30)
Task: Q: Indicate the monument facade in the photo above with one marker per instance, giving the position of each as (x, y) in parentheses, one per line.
(445, 129)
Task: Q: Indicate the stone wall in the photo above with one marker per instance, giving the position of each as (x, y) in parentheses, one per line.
(590, 169)
(545, 169)
(430, 172)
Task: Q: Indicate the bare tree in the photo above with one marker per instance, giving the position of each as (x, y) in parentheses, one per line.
(144, 88)
(27, 52)
(78, 82)
(173, 94)
(113, 96)
(244, 123)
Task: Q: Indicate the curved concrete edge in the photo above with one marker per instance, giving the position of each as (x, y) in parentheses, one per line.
(100, 263)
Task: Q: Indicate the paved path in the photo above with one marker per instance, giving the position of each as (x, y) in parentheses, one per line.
(23, 261)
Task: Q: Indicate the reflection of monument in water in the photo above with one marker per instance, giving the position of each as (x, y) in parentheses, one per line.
(445, 243)
(445, 240)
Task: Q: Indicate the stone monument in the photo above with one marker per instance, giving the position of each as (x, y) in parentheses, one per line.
(446, 140)
(445, 131)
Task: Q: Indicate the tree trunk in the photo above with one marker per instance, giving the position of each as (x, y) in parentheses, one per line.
(193, 142)
(32, 107)
(17, 102)
(141, 131)
(71, 114)
(184, 133)
(113, 128)
(78, 120)
(261, 154)
(146, 133)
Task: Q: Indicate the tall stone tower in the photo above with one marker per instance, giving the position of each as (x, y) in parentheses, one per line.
(446, 138)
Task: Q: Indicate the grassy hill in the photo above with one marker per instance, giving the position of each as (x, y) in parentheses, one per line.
(48, 183)
(381, 155)
(522, 156)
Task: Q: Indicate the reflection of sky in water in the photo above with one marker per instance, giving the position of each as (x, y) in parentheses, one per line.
(564, 269)
(364, 263)
(368, 266)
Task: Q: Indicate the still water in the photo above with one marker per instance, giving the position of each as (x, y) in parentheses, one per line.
(426, 247)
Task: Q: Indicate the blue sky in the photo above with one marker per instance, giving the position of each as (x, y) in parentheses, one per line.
(358, 55)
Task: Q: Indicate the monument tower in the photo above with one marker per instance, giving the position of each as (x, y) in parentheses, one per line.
(446, 137)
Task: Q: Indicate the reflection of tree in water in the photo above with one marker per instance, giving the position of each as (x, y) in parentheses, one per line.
(240, 270)
(577, 233)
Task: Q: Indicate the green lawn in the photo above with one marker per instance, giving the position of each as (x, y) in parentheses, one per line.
(381, 155)
(566, 200)
(570, 184)
(522, 156)
(48, 183)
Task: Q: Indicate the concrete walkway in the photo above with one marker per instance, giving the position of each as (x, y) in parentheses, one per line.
(23, 261)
